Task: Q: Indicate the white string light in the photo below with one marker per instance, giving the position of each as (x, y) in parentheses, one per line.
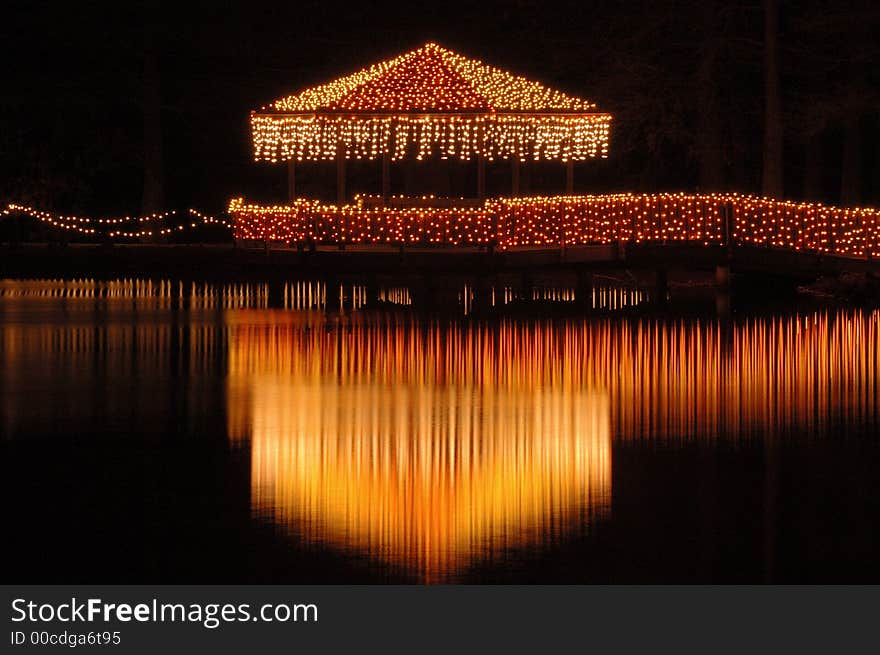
(87, 225)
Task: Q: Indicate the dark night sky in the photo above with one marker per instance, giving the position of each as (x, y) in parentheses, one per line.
(73, 95)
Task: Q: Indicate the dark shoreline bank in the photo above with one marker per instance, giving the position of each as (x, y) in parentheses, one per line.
(687, 280)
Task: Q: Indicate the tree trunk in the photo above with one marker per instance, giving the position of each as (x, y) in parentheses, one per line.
(153, 198)
(850, 170)
(875, 186)
(772, 172)
(709, 146)
(813, 168)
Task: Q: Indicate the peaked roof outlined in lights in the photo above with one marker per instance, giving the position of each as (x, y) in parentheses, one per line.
(431, 79)
(430, 100)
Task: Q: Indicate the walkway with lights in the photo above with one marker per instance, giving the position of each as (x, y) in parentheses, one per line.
(562, 222)
(452, 242)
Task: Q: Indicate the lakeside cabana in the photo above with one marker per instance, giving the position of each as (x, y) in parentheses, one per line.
(426, 102)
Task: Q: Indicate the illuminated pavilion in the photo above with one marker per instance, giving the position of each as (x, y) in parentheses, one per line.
(430, 101)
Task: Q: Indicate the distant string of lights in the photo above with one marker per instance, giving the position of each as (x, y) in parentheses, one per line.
(436, 102)
(709, 219)
(99, 226)
(73, 220)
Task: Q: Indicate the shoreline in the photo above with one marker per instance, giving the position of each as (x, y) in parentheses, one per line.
(437, 275)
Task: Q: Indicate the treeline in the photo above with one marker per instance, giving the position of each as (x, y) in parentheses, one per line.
(135, 107)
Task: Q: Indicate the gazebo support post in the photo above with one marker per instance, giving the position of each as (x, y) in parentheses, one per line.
(386, 177)
(514, 176)
(340, 176)
(481, 177)
(291, 181)
(569, 178)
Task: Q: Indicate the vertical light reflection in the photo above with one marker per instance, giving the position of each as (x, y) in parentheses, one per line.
(432, 446)
(468, 421)
(409, 447)
(80, 356)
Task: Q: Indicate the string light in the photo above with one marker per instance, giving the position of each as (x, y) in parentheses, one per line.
(440, 103)
(87, 225)
(708, 219)
(210, 220)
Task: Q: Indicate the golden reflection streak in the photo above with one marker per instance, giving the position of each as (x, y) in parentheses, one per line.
(665, 379)
(426, 478)
(798, 376)
(425, 473)
(431, 446)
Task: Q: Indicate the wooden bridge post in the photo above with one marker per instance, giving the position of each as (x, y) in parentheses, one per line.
(372, 291)
(583, 293)
(722, 269)
(722, 289)
(727, 212)
(332, 295)
(722, 275)
(525, 286)
(661, 285)
(722, 303)
(276, 297)
(432, 292)
(482, 290)
(418, 291)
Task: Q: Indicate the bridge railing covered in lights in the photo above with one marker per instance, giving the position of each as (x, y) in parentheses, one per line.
(709, 219)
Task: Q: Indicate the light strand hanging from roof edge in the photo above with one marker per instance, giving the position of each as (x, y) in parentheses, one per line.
(526, 137)
(430, 101)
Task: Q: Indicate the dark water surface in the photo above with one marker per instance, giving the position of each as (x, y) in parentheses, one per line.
(167, 432)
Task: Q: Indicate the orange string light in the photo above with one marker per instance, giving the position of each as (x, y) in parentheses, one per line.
(708, 219)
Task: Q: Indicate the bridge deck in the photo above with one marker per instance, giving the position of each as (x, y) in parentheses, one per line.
(225, 261)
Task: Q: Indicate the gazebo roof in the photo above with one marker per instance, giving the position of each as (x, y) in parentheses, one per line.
(430, 100)
(430, 79)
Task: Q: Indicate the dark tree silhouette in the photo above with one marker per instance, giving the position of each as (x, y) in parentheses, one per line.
(771, 182)
(709, 146)
(153, 196)
(835, 96)
(144, 105)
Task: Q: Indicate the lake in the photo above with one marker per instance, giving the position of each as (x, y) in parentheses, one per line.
(171, 432)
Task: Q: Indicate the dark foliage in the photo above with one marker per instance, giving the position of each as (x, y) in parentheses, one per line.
(111, 107)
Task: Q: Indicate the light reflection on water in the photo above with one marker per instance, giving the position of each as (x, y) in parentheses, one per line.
(305, 294)
(434, 446)
(425, 446)
(409, 447)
